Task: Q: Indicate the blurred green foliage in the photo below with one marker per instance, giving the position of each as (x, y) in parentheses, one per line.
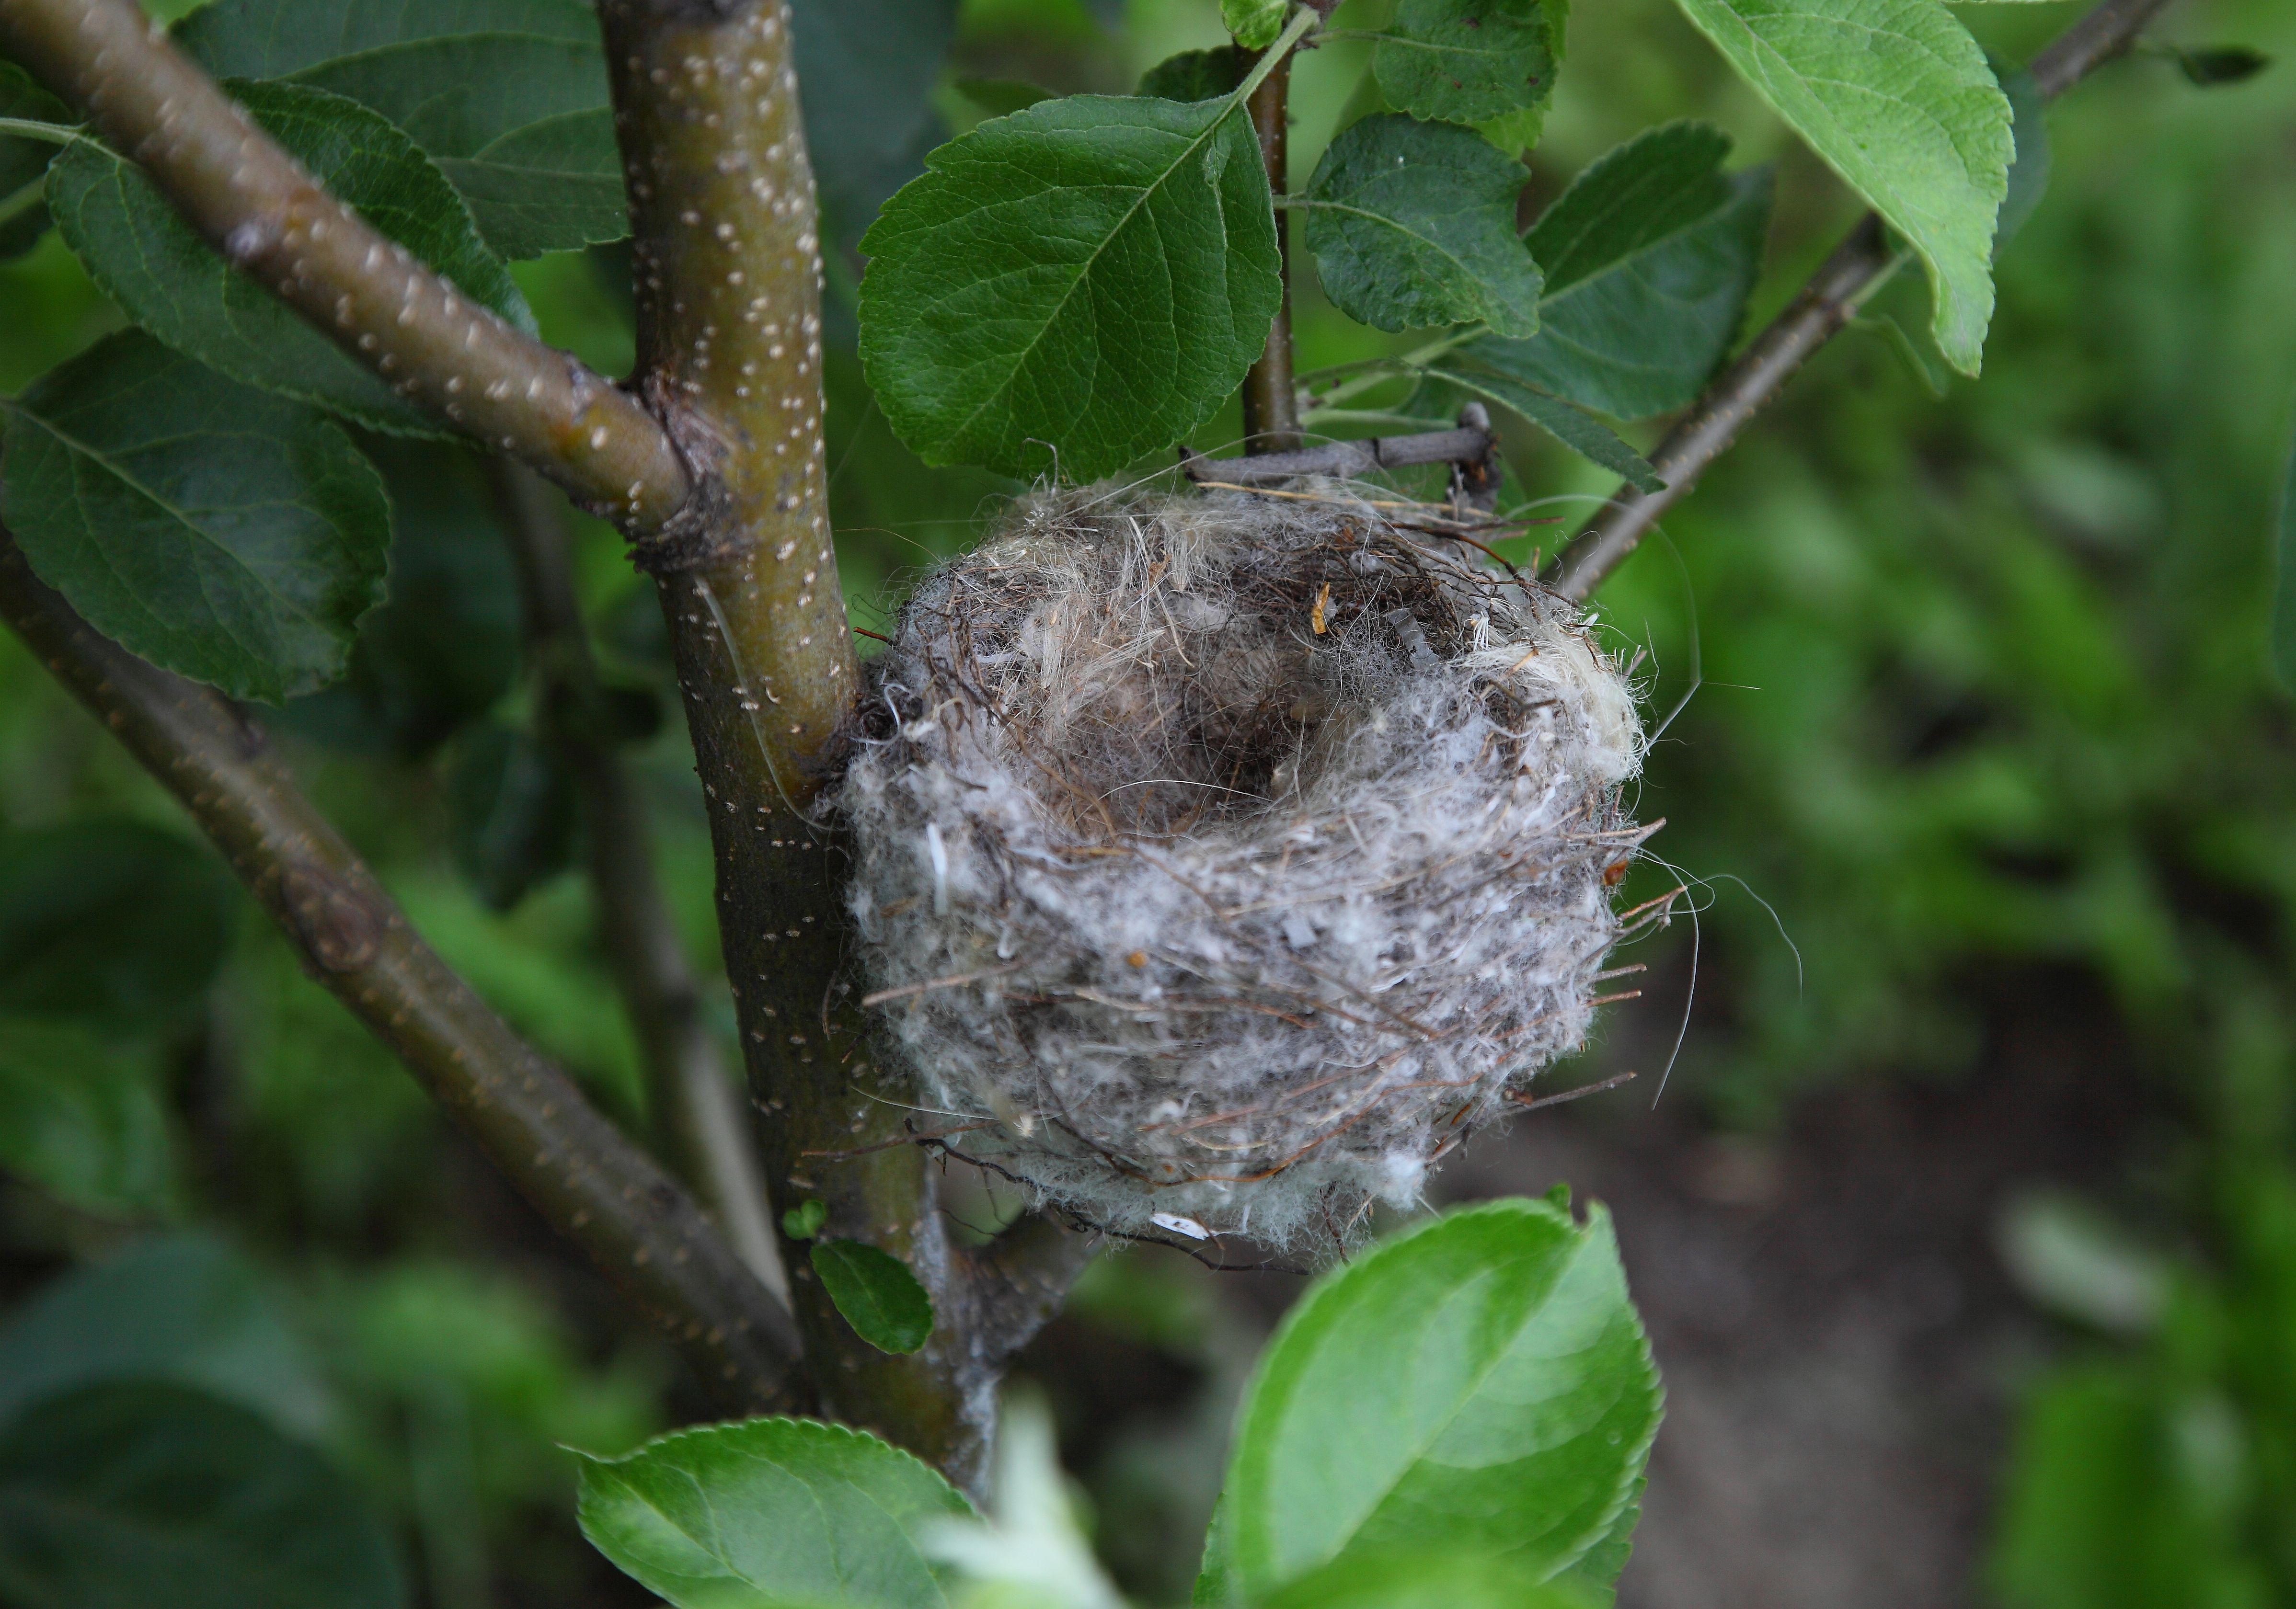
(1986, 700)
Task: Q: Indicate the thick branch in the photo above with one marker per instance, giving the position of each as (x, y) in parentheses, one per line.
(257, 206)
(699, 1114)
(1271, 406)
(728, 282)
(583, 1175)
(1825, 304)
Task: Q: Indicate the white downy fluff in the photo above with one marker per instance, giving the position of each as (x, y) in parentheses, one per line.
(1227, 858)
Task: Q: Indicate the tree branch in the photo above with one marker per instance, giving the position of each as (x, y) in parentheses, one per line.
(1468, 445)
(697, 1109)
(728, 281)
(269, 218)
(643, 1233)
(1271, 405)
(1824, 305)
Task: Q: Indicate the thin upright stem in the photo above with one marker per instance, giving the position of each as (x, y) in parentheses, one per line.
(1821, 309)
(257, 207)
(1271, 408)
(646, 1235)
(701, 1122)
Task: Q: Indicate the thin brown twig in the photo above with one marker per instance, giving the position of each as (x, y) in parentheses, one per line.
(590, 1181)
(1823, 306)
(257, 206)
(1531, 1103)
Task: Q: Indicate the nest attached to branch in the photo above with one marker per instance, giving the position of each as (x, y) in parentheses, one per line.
(1223, 860)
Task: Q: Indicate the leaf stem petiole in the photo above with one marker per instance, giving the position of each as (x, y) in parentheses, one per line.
(1305, 18)
(29, 128)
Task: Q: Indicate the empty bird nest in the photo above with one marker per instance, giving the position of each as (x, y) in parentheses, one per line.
(1223, 860)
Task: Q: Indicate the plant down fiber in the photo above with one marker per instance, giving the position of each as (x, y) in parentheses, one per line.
(1226, 857)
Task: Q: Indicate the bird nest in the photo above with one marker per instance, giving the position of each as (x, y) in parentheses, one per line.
(1222, 861)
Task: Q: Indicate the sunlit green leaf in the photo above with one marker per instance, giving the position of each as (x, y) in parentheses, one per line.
(1479, 1386)
(1254, 24)
(1412, 223)
(1467, 60)
(770, 1514)
(1071, 286)
(120, 1497)
(1897, 97)
(221, 532)
(1429, 1578)
(875, 1290)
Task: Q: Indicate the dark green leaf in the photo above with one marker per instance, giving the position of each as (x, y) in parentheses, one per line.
(877, 1294)
(444, 649)
(1412, 223)
(1896, 96)
(1574, 428)
(1650, 256)
(770, 1514)
(1197, 75)
(141, 251)
(513, 813)
(1477, 1387)
(1466, 60)
(231, 535)
(1429, 1580)
(22, 161)
(123, 1497)
(1071, 286)
(2220, 64)
(186, 1308)
(80, 1118)
(2029, 173)
(110, 920)
(1254, 24)
(1002, 97)
(508, 96)
(2283, 602)
(865, 72)
(803, 1221)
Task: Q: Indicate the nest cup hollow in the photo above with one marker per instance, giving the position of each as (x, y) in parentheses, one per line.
(1224, 858)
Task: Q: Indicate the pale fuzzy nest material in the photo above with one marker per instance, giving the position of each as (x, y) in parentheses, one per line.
(1206, 914)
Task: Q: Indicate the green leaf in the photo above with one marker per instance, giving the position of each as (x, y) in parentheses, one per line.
(770, 1514)
(2029, 173)
(1412, 223)
(2210, 68)
(120, 1497)
(1426, 1579)
(513, 810)
(80, 1117)
(156, 267)
(443, 649)
(2284, 596)
(866, 71)
(1600, 1566)
(1467, 60)
(1478, 1386)
(22, 161)
(1197, 75)
(1516, 132)
(231, 535)
(1071, 286)
(186, 1308)
(1254, 24)
(509, 97)
(1896, 98)
(877, 1294)
(803, 1221)
(1574, 428)
(110, 921)
(1650, 256)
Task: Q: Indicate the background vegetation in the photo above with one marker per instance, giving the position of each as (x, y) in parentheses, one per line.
(1986, 717)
